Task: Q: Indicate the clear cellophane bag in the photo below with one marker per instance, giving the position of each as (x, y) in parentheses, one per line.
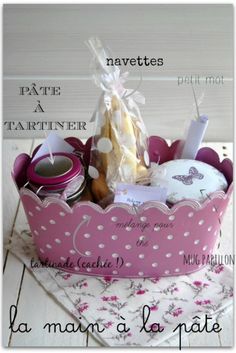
(119, 151)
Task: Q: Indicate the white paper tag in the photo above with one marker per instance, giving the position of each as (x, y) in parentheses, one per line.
(55, 143)
(133, 194)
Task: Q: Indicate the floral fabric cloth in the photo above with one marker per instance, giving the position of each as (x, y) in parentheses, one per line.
(109, 301)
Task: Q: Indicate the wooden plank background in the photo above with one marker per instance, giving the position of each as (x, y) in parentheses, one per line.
(44, 44)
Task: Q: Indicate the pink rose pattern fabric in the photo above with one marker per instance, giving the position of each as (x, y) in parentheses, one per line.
(109, 301)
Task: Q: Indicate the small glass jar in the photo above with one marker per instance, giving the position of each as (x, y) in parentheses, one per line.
(64, 178)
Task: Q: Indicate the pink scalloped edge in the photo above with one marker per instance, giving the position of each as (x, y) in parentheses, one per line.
(169, 152)
(194, 204)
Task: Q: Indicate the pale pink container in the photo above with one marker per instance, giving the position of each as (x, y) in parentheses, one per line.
(86, 239)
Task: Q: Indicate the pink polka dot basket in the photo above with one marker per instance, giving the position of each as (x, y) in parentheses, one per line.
(152, 240)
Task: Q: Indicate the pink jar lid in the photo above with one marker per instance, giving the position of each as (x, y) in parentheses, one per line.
(54, 176)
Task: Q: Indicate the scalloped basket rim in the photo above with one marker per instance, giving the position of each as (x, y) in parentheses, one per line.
(87, 142)
(194, 204)
(168, 146)
(147, 205)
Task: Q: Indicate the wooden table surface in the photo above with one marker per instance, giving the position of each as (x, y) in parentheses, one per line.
(35, 306)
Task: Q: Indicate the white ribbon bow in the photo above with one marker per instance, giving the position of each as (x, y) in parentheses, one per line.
(113, 84)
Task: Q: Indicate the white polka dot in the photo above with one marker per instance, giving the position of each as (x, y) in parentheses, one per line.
(146, 158)
(35, 232)
(167, 272)
(209, 228)
(30, 213)
(49, 246)
(204, 248)
(213, 209)
(181, 252)
(72, 251)
(67, 234)
(177, 270)
(128, 229)
(128, 264)
(168, 255)
(100, 227)
(196, 241)
(199, 265)
(140, 273)
(221, 213)
(41, 250)
(104, 145)
(142, 237)
(155, 247)
(52, 221)
(114, 272)
(93, 172)
(128, 247)
(201, 222)
(155, 264)
(114, 219)
(101, 246)
(38, 208)
(170, 236)
(85, 216)
(143, 219)
(115, 255)
(216, 232)
(156, 229)
(114, 237)
(190, 214)
(141, 256)
(58, 241)
(186, 234)
(43, 228)
(88, 269)
(88, 253)
(62, 258)
(87, 235)
(171, 218)
(76, 268)
(62, 214)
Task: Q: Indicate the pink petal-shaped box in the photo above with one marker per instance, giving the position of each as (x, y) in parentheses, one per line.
(150, 241)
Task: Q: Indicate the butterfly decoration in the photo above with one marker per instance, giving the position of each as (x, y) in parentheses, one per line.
(188, 179)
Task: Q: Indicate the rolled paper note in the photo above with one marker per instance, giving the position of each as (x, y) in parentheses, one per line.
(194, 137)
